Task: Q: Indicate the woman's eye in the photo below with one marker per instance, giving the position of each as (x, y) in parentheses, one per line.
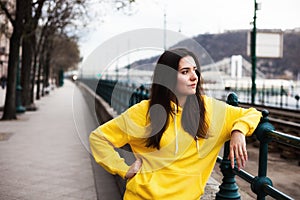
(184, 72)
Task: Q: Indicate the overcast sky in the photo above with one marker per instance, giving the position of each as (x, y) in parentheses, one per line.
(191, 17)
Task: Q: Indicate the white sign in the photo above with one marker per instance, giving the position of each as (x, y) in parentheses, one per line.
(268, 44)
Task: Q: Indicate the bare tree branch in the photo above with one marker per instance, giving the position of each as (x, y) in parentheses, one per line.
(4, 6)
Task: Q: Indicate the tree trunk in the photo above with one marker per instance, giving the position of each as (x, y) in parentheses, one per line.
(46, 69)
(38, 81)
(26, 69)
(9, 111)
(33, 78)
(27, 53)
(38, 51)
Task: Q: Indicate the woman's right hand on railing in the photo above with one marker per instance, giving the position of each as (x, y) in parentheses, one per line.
(238, 149)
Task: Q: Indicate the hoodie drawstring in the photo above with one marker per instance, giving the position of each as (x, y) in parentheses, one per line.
(176, 132)
(197, 143)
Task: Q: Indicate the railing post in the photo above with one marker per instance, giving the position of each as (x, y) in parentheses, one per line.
(281, 96)
(144, 93)
(297, 97)
(258, 184)
(228, 188)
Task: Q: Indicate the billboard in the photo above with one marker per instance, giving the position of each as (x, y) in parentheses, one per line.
(268, 44)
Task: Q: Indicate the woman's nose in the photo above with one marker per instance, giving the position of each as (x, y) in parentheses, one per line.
(193, 76)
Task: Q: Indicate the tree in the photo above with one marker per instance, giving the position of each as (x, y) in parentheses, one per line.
(59, 17)
(16, 19)
(65, 54)
(33, 11)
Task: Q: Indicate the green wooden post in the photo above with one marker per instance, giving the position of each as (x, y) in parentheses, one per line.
(228, 188)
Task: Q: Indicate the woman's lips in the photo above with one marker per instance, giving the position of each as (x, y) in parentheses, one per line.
(193, 85)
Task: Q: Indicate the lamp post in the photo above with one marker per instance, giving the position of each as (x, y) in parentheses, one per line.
(253, 54)
(165, 28)
(19, 107)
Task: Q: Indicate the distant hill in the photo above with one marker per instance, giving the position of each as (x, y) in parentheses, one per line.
(235, 42)
(231, 43)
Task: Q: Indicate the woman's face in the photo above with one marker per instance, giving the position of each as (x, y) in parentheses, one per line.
(187, 78)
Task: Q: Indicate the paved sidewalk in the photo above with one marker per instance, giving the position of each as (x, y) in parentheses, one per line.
(41, 155)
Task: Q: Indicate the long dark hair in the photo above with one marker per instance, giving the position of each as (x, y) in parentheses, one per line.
(164, 82)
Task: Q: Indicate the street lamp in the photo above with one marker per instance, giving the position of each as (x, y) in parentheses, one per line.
(165, 28)
(253, 53)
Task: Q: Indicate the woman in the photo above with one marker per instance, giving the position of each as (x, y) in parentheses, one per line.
(175, 136)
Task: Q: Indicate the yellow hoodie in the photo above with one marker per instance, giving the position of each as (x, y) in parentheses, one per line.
(181, 168)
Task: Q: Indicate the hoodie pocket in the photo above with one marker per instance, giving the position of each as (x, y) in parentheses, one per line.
(141, 185)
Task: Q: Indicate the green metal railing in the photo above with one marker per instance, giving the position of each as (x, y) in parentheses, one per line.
(261, 185)
(122, 96)
(282, 97)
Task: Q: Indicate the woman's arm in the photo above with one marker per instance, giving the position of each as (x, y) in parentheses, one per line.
(103, 140)
(115, 134)
(244, 122)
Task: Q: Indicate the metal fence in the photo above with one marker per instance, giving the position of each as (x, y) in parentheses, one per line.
(261, 185)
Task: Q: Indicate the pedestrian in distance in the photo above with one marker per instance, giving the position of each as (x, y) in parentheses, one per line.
(175, 136)
(3, 81)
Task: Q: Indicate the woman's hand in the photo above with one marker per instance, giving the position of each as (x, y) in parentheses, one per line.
(134, 168)
(238, 149)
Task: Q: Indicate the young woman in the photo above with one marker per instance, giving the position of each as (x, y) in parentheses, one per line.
(175, 136)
